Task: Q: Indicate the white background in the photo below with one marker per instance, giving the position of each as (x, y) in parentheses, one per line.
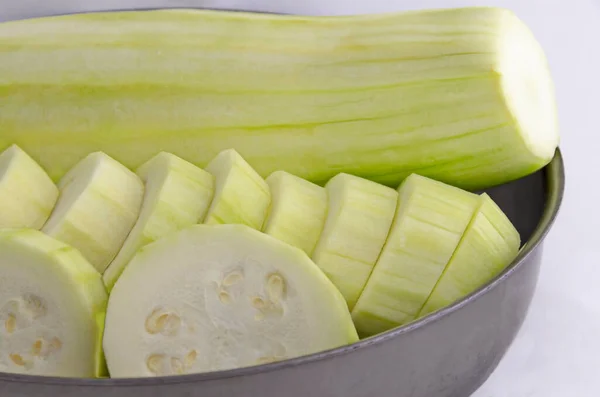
(557, 352)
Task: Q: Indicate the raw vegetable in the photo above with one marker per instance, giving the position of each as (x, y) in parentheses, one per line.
(52, 309)
(98, 205)
(430, 220)
(214, 297)
(489, 244)
(358, 221)
(460, 95)
(27, 194)
(241, 195)
(298, 210)
(177, 195)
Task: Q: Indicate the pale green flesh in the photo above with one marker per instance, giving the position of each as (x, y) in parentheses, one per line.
(177, 195)
(215, 297)
(98, 205)
(359, 216)
(298, 211)
(241, 196)
(52, 308)
(429, 223)
(27, 194)
(489, 244)
(461, 95)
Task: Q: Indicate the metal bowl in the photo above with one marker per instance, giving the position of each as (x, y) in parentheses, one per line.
(449, 353)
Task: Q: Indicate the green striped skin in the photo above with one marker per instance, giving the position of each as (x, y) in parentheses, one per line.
(460, 95)
(177, 194)
(430, 220)
(241, 196)
(489, 244)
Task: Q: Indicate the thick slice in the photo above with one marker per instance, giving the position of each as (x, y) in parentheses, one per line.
(462, 95)
(298, 210)
(98, 205)
(489, 244)
(429, 223)
(52, 308)
(27, 194)
(177, 195)
(241, 195)
(358, 221)
(214, 297)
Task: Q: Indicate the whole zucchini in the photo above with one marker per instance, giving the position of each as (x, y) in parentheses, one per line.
(461, 95)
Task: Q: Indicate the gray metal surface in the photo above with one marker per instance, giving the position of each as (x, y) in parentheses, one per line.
(447, 354)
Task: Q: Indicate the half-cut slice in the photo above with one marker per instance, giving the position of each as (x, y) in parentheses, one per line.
(241, 195)
(358, 221)
(52, 308)
(429, 223)
(215, 297)
(27, 194)
(98, 205)
(177, 195)
(489, 244)
(298, 210)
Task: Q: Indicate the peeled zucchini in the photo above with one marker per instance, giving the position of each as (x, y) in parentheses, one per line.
(98, 205)
(429, 223)
(177, 195)
(489, 244)
(27, 194)
(359, 216)
(216, 297)
(298, 210)
(52, 308)
(241, 195)
(460, 95)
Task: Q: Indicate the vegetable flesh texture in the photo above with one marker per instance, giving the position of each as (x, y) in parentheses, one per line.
(241, 195)
(27, 194)
(298, 210)
(489, 244)
(52, 308)
(430, 220)
(460, 95)
(215, 297)
(98, 205)
(177, 194)
(358, 222)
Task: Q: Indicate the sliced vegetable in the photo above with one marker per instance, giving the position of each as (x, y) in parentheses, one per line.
(52, 308)
(177, 195)
(298, 210)
(461, 95)
(358, 221)
(241, 195)
(429, 223)
(489, 244)
(214, 297)
(98, 205)
(27, 194)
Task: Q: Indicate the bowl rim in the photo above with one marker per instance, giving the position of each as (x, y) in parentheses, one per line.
(554, 174)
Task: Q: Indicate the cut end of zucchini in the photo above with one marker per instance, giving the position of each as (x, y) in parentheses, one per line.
(241, 195)
(98, 205)
(177, 194)
(489, 244)
(216, 297)
(528, 88)
(52, 306)
(359, 216)
(27, 194)
(298, 210)
(429, 223)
